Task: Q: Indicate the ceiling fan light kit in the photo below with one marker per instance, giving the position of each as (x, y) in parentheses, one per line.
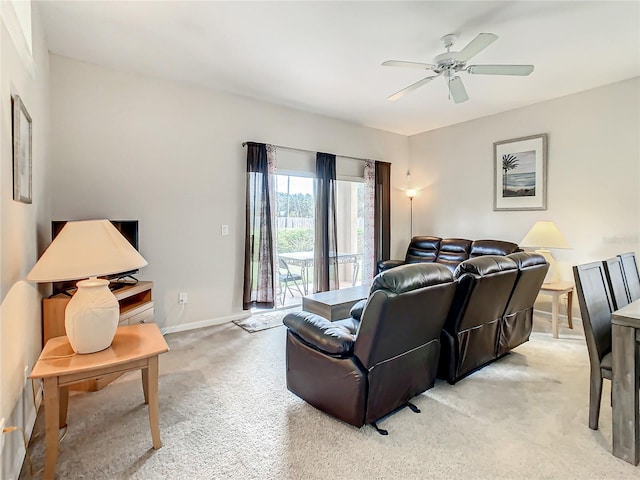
(448, 64)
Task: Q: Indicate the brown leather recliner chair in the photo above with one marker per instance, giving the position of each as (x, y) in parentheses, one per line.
(361, 371)
(470, 334)
(517, 321)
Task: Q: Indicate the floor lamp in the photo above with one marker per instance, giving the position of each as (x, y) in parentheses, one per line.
(410, 193)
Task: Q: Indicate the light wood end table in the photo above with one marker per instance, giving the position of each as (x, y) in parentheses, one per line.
(556, 290)
(134, 347)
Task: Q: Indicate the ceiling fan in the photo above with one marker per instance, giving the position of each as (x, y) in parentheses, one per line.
(450, 63)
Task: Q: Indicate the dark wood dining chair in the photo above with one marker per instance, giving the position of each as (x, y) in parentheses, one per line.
(617, 282)
(630, 268)
(596, 307)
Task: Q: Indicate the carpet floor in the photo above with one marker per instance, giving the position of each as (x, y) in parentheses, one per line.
(225, 413)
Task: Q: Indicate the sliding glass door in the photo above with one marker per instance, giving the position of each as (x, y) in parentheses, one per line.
(295, 235)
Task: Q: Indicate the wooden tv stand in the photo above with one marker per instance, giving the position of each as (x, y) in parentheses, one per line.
(136, 306)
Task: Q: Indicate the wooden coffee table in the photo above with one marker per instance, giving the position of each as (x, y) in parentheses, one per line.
(135, 347)
(335, 304)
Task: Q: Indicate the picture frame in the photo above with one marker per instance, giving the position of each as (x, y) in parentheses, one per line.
(22, 154)
(520, 173)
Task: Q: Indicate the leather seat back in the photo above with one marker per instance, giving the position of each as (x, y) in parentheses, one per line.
(398, 341)
(517, 321)
(492, 247)
(484, 285)
(453, 251)
(423, 249)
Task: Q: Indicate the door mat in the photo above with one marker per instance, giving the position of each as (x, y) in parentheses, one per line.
(263, 321)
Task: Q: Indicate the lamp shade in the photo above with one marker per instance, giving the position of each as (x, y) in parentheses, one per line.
(546, 235)
(90, 248)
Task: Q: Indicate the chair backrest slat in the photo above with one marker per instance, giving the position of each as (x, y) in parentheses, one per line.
(595, 307)
(630, 268)
(616, 281)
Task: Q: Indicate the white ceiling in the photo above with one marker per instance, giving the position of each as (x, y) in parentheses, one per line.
(324, 57)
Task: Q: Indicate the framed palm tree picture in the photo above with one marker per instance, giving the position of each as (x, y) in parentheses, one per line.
(520, 173)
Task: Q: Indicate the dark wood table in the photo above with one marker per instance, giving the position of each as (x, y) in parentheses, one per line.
(305, 260)
(625, 331)
(335, 304)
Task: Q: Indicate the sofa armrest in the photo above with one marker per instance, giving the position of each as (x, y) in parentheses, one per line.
(387, 264)
(356, 310)
(320, 333)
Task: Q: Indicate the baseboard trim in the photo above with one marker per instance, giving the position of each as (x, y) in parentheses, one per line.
(563, 316)
(30, 423)
(204, 323)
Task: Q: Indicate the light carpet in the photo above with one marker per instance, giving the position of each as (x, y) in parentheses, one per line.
(225, 413)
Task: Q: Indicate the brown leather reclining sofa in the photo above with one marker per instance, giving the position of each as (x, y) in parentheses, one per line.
(448, 251)
(420, 320)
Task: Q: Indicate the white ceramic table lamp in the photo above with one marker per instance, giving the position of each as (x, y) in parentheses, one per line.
(88, 249)
(545, 235)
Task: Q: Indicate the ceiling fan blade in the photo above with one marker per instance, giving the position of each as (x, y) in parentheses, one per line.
(475, 46)
(457, 90)
(398, 63)
(410, 88)
(500, 69)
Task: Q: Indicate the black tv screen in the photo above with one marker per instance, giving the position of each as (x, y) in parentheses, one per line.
(128, 229)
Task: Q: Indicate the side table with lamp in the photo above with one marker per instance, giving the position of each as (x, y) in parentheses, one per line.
(543, 236)
(86, 250)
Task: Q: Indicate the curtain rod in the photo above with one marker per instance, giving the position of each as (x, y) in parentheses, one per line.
(244, 144)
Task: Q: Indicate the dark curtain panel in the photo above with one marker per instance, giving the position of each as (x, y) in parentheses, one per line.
(258, 248)
(383, 211)
(326, 238)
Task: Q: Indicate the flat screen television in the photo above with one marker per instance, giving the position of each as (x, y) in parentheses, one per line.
(128, 229)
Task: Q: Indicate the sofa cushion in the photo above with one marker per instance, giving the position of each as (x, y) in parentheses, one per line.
(423, 249)
(411, 277)
(491, 247)
(453, 251)
(527, 259)
(485, 265)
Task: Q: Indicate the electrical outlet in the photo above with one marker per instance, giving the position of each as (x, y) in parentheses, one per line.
(182, 298)
(2, 422)
(224, 230)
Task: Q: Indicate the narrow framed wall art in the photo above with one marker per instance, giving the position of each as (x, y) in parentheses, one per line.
(22, 162)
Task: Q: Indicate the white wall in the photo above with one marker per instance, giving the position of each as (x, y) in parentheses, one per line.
(23, 231)
(593, 174)
(170, 155)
